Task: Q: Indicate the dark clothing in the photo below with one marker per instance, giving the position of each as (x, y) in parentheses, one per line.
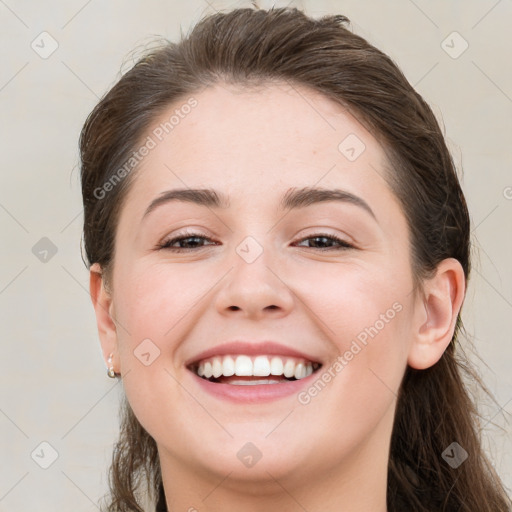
(161, 505)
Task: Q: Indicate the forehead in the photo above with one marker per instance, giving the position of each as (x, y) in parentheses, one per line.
(256, 139)
(253, 147)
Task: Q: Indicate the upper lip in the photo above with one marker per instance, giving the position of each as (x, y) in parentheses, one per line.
(251, 349)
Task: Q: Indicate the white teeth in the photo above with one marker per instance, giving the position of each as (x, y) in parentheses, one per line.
(300, 371)
(240, 382)
(289, 368)
(261, 366)
(208, 370)
(243, 366)
(257, 366)
(217, 367)
(276, 366)
(228, 366)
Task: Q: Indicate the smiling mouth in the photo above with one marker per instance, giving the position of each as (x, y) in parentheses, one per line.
(244, 370)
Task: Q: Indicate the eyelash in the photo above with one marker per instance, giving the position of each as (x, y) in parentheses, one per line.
(166, 244)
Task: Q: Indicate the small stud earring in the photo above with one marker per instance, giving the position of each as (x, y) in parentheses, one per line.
(111, 373)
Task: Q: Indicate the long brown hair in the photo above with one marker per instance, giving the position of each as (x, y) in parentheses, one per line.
(251, 46)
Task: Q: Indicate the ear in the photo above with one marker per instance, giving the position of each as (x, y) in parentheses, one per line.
(103, 307)
(438, 309)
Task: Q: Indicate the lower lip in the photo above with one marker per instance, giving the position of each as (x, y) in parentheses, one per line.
(255, 393)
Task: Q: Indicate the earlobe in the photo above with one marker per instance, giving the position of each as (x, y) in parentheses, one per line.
(103, 306)
(442, 301)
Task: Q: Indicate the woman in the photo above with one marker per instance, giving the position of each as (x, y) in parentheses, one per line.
(279, 248)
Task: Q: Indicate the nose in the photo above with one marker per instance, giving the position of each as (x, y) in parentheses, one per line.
(256, 289)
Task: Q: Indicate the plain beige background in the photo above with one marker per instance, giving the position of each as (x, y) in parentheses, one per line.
(54, 385)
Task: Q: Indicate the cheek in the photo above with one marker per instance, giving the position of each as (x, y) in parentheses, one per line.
(151, 306)
(154, 300)
(352, 300)
(357, 392)
(155, 308)
(366, 317)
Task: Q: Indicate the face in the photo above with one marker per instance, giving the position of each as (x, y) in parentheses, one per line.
(324, 282)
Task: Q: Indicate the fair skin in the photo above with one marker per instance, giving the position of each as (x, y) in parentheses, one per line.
(253, 146)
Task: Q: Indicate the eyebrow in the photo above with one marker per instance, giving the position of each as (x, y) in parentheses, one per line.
(294, 198)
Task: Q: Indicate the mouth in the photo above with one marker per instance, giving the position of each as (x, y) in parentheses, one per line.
(246, 370)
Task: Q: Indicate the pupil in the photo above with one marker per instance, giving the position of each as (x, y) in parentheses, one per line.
(195, 239)
(323, 239)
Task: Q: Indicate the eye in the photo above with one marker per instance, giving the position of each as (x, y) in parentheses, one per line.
(190, 240)
(323, 238)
